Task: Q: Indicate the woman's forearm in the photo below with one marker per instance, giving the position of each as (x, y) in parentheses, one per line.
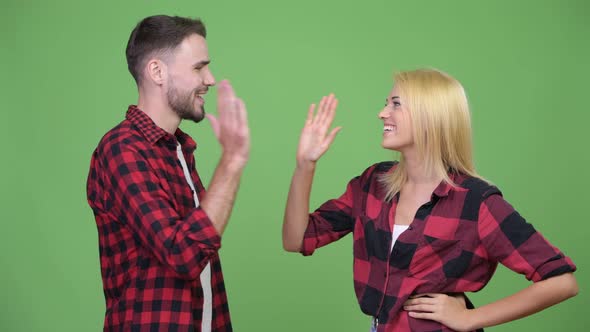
(297, 209)
(528, 301)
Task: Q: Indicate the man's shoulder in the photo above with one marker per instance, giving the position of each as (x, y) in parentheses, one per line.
(123, 136)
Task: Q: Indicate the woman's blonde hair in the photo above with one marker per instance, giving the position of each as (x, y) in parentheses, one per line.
(441, 126)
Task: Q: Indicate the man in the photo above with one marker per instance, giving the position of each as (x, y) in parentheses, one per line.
(159, 232)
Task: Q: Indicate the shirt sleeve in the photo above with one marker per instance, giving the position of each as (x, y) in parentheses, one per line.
(331, 221)
(510, 240)
(182, 244)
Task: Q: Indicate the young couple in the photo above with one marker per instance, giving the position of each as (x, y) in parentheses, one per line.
(426, 228)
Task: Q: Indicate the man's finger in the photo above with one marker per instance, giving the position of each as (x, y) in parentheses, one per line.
(242, 113)
(309, 119)
(214, 124)
(225, 96)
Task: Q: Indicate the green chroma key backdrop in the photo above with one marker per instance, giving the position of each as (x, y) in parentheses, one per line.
(524, 64)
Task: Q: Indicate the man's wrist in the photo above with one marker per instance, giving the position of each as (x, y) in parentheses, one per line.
(233, 163)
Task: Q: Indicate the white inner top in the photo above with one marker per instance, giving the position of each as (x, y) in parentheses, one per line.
(206, 274)
(397, 230)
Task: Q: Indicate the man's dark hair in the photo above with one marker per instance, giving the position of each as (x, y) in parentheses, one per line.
(160, 33)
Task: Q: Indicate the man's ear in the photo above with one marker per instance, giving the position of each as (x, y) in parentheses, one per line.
(156, 71)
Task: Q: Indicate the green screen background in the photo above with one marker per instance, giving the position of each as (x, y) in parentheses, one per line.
(525, 66)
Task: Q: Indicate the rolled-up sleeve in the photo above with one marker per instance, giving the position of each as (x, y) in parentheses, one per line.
(331, 221)
(509, 239)
(184, 244)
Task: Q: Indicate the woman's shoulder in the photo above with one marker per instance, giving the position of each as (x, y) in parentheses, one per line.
(374, 173)
(476, 185)
(382, 167)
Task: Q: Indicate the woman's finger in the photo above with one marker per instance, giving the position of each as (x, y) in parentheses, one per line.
(420, 307)
(326, 109)
(320, 111)
(422, 315)
(332, 135)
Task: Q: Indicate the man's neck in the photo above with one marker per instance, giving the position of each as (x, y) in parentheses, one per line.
(160, 112)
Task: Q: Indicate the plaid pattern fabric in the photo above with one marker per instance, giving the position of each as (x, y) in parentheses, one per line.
(453, 245)
(153, 242)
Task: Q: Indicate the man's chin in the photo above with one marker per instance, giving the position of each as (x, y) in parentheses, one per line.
(196, 116)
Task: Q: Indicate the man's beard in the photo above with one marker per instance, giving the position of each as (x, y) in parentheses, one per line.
(183, 104)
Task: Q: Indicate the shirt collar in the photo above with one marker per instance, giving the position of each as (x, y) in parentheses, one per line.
(443, 189)
(153, 133)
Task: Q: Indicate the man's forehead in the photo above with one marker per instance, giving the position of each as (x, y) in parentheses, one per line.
(193, 46)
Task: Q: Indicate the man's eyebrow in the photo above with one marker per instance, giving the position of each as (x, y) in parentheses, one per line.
(202, 63)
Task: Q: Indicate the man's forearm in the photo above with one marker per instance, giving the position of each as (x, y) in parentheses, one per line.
(219, 200)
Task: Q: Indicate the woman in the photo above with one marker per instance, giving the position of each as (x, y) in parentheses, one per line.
(428, 225)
